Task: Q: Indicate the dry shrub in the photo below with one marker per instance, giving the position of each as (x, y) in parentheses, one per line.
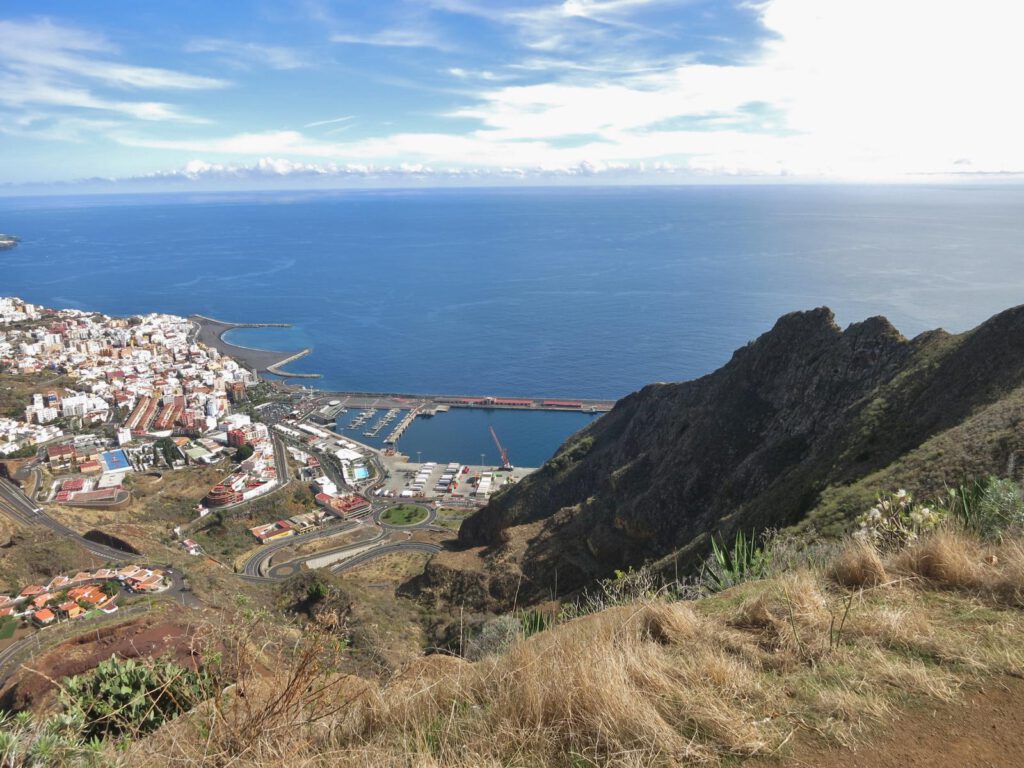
(906, 674)
(894, 627)
(414, 697)
(858, 565)
(945, 557)
(627, 681)
(648, 683)
(792, 614)
(1006, 575)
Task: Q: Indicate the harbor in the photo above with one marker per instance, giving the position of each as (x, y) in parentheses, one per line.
(442, 427)
(463, 434)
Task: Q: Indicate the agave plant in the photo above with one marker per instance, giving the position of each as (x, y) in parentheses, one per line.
(26, 742)
(729, 566)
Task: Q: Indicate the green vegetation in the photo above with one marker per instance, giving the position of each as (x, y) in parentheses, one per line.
(227, 536)
(316, 592)
(990, 507)
(22, 453)
(570, 454)
(28, 741)
(451, 518)
(819, 650)
(404, 514)
(16, 390)
(7, 627)
(129, 697)
(244, 452)
(730, 566)
(165, 447)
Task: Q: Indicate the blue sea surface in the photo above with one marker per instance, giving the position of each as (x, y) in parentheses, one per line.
(588, 292)
(464, 434)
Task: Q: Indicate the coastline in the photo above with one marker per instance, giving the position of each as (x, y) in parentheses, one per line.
(210, 331)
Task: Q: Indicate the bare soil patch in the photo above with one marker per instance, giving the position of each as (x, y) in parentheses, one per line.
(168, 635)
(981, 730)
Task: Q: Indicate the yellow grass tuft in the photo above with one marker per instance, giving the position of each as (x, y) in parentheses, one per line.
(858, 565)
(945, 557)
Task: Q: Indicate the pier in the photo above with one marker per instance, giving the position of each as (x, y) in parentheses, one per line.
(396, 433)
(429, 405)
(275, 368)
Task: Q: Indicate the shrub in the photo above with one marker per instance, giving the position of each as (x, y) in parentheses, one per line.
(495, 637)
(121, 697)
(859, 565)
(624, 588)
(244, 452)
(727, 567)
(316, 592)
(990, 507)
(57, 740)
(945, 557)
(896, 521)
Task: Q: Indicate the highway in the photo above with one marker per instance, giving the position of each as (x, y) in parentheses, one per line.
(386, 549)
(256, 567)
(20, 508)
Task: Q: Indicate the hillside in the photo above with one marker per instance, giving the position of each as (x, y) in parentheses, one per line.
(802, 426)
(808, 666)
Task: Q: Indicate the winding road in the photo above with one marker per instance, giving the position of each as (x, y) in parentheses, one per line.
(23, 510)
(259, 567)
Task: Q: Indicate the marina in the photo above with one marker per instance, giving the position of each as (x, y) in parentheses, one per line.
(408, 419)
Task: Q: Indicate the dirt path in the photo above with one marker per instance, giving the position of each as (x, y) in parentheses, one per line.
(985, 729)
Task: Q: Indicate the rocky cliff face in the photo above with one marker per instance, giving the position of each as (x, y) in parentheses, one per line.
(764, 441)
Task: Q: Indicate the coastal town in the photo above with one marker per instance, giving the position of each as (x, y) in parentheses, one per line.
(98, 407)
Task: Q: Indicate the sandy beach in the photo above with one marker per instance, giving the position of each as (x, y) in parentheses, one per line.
(211, 333)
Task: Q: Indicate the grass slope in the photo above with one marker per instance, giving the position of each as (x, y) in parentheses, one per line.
(823, 650)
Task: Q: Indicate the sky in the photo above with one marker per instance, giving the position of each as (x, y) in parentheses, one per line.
(109, 95)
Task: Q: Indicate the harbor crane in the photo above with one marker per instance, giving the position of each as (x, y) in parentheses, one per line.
(506, 465)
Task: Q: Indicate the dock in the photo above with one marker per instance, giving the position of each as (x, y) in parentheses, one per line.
(276, 368)
(429, 405)
(408, 419)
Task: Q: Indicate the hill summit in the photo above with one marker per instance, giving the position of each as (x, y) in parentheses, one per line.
(803, 426)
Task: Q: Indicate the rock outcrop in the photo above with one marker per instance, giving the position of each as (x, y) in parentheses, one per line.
(778, 436)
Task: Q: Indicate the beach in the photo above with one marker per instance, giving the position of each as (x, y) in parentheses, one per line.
(210, 332)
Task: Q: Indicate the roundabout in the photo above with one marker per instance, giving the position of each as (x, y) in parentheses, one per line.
(273, 563)
(405, 516)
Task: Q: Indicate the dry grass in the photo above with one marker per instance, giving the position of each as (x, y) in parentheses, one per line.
(859, 565)
(654, 683)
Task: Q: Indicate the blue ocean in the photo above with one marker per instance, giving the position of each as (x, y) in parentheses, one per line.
(584, 292)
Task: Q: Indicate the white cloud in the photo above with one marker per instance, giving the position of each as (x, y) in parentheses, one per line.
(23, 92)
(392, 38)
(245, 54)
(860, 89)
(200, 172)
(60, 67)
(342, 119)
(44, 47)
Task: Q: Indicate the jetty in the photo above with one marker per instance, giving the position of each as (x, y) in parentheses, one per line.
(276, 367)
(210, 331)
(408, 419)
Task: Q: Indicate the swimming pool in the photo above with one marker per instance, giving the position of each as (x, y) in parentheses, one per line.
(116, 461)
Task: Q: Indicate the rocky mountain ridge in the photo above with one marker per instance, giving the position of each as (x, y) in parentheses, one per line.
(800, 427)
